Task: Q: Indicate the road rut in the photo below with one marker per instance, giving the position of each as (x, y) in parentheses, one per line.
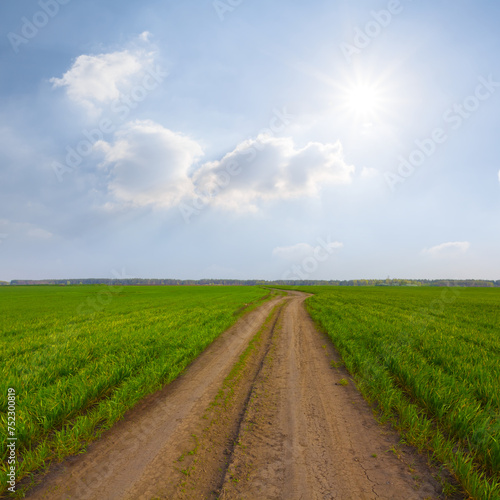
(283, 427)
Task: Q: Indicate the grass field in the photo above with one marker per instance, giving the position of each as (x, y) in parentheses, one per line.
(430, 358)
(78, 357)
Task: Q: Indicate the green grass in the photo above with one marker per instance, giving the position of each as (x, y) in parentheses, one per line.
(430, 358)
(78, 357)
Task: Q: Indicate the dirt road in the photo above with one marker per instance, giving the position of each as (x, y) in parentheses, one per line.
(260, 414)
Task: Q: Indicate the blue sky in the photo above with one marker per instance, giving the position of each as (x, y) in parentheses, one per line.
(238, 139)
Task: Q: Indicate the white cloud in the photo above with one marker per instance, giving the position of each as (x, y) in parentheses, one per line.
(216, 271)
(369, 173)
(148, 164)
(145, 36)
(96, 80)
(272, 168)
(298, 251)
(335, 244)
(22, 230)
(447, 249)
(39, 233)
(293, 252)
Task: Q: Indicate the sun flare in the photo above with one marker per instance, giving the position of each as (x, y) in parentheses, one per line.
(363, 100)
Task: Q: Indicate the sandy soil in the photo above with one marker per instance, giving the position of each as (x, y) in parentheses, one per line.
(275, 424)
(306, 436)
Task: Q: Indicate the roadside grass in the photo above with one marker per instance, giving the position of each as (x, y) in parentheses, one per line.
(79, 358)
(429, 359)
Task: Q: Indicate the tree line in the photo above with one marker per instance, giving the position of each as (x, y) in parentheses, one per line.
(233, 282)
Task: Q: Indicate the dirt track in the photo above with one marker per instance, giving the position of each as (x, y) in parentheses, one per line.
(275, 425)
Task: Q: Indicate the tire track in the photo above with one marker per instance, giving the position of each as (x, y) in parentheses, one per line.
(306, 436)
(137, 454)
(260, 414)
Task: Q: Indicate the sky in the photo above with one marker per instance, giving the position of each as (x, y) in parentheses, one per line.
(249, 139)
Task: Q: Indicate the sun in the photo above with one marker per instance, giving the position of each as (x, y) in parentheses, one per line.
(363, 101)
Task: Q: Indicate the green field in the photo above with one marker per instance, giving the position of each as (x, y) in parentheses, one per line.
(430, 358)
(78, 357)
